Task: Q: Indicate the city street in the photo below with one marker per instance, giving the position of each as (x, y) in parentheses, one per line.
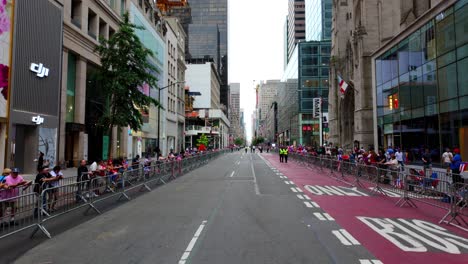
(249, 208)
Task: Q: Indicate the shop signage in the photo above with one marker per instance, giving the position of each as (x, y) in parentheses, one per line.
(39, 69)
(38, 119)
(317, 107)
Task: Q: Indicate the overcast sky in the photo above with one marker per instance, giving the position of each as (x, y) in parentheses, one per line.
(255, 47)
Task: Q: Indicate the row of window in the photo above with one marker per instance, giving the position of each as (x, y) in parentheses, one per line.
(426, 71)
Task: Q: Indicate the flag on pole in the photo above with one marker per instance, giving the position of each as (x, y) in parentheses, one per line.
(343, 85)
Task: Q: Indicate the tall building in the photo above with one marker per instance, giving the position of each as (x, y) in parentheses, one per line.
(82, 101)
(420, 83)
(234, 110)
(271, 124)
(318, 19)
(208, 38)
(266, 96)
(314, 60)
(207, 117)
(242, 124)
(296, 27)
(175, 76)
(360, 28)
(288, 113)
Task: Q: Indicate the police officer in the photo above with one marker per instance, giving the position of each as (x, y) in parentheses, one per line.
(281, 154)
(285, 154)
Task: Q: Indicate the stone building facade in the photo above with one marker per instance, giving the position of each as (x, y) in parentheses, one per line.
(359, 28)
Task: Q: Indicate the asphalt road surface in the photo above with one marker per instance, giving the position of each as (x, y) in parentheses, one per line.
(237, 209)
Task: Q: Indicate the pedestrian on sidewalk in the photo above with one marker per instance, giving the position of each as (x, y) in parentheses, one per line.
(56, 176)
(455, 166)
(14, 181)
(447, 158)
(83, 175)
(40, 161)
(427, 162)
(399, 157)
(3, 188)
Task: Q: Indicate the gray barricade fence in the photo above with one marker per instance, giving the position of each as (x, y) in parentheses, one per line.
(410, 186)
(32, 208)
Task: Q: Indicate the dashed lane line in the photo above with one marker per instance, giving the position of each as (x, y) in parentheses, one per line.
(192, 243)
(370, 261)
(324, 217)
(345, 238)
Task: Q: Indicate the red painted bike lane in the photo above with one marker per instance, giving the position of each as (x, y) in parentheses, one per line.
(393, 234)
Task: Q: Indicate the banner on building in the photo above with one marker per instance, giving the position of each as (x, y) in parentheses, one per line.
(317, 107)
(6, 10)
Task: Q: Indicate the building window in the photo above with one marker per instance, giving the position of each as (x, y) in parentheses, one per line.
(462, 69)
(76, 13)
(447, 77)
(445, 32)
(122, 7)
(111, 32)
(71, 82)
(102, 29)
(92, 24)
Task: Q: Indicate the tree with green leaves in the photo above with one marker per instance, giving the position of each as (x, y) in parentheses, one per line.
(239, 141)
(257, 140)
(124, 70)
(202, 142)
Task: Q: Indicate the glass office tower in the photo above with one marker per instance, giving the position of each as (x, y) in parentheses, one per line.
(208, 37)
(318, 19)
(422, 87)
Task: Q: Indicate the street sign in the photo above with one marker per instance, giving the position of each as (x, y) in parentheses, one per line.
(317, 107)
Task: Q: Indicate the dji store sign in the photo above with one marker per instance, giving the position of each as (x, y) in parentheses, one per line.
(39, 69)
(35, 82)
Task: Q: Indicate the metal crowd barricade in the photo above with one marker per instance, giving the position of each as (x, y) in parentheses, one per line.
(19, 213)
(435, 189)
(459, 202)
(37, 204)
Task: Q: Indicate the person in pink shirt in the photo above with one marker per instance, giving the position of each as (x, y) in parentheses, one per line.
(14, 181)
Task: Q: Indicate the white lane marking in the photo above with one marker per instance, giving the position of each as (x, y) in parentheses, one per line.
(294, 190)
(308, 205)
(238, 162)
(257, 190)
(298, 189)
(287, 182)
(320, 216)
(192, 243)
(370, 261)
(328, 217)
(342, 239)
(349, 237)
(300, 197)
(307, 197)
(315, 204)
(232, 174)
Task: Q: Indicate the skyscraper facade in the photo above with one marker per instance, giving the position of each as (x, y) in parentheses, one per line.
(208, 38)
(296, 28)
(234, 110)
(318, 19)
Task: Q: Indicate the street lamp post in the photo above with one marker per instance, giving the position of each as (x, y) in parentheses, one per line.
(159, 113)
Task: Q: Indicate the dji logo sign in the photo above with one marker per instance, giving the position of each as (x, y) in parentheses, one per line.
(39, 69)
(38, 120)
